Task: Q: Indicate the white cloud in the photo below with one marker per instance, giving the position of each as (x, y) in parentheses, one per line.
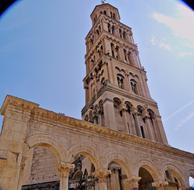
(185, 54)
(181, 26)
(161, 43)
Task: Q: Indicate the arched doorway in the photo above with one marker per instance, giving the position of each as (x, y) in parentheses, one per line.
(146, 180)
(40, 170)
(173, 179)
(115, 181)
(82, 177)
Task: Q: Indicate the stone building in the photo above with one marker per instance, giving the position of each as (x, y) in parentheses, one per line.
(119, 145)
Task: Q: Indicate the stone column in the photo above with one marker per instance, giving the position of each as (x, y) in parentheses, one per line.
(102, 178)
(109, 114)
(150, 129)
(64, 169)
(132, 183)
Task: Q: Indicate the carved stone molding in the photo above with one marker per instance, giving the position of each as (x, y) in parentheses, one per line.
(64, 168)
(102, 174)
(159, 184)
(132, 183)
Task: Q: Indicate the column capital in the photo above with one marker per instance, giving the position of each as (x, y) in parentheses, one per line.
(102, 174)
(132, 183)
(159, 184)
(64, 168)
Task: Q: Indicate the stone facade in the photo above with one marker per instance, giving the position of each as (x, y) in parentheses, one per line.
(119, 145)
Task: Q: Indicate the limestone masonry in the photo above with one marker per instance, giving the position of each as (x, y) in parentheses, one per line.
(119, 145)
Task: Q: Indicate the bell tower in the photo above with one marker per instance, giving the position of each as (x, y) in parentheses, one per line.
(116, 91)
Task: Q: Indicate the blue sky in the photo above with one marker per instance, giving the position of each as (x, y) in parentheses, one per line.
(42, 52)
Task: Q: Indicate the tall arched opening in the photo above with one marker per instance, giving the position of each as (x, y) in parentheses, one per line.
(117, 176)
(146, 181)
(82, 177)
(40, 169)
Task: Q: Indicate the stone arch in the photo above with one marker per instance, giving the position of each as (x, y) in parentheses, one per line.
(140, 109)
(49, 142)
(177, 173)
(120, 160)
(85, 151)
(128, 106)
(149, 166)
(151, 113)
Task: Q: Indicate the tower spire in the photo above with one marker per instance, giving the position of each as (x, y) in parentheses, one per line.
(103, 1)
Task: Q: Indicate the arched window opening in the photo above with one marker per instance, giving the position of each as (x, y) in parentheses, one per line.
(117, 52)
(146, 180)
(120, 81)
(91, 117)
(115, 180)
(125, 54)
(120, 33)
(101, 112)
(95, 115)
(83, 174)
(124, 35)
(111, 14)
(114, 16)
(128, 107)
(129, 57)
(113, 29)
(104, 12)
(97, 31)
(112, 49)
(133, 86)
(109, 28)
(101, 109)
(140, 109)
(172, 180)
(151, 116)
(117, 103)
(142, 132)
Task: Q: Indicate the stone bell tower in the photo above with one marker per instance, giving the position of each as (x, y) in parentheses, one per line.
(116, 90)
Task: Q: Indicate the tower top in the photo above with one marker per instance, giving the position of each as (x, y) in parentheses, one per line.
(103, 1)
(106, 9)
